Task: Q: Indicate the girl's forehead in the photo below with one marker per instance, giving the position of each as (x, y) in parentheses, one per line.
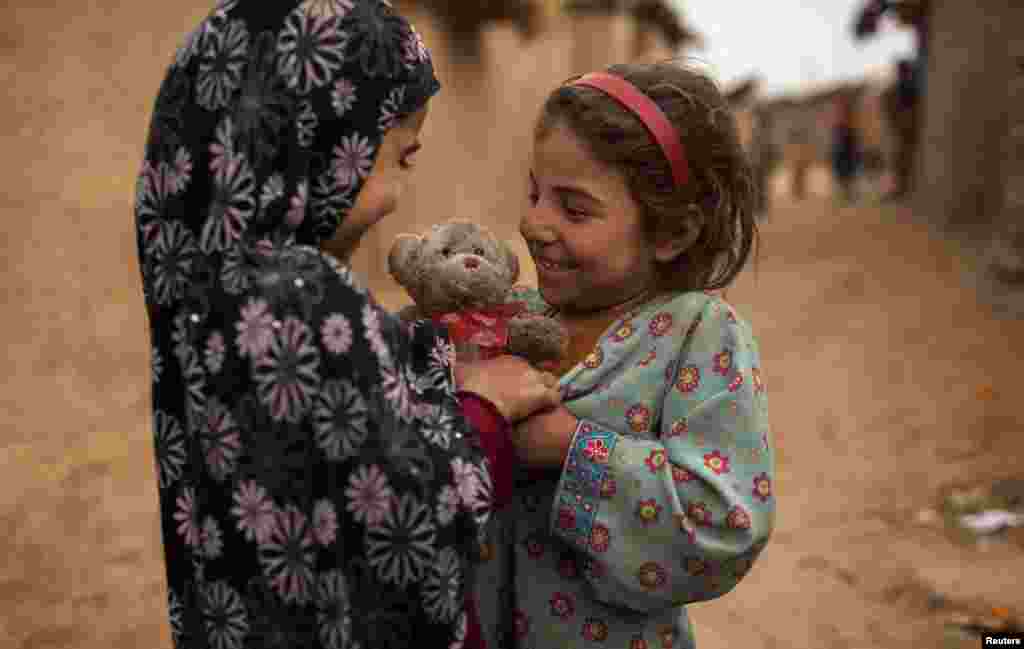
(561, 148)
(560, 157)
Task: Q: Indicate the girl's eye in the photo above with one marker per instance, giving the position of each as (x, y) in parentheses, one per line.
(574, 214)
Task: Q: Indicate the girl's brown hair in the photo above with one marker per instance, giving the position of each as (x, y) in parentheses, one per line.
(721, 184)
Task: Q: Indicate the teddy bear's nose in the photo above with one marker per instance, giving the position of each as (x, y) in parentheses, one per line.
(472, 263)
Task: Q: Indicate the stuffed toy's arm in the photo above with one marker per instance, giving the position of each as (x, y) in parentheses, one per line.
(537, 338)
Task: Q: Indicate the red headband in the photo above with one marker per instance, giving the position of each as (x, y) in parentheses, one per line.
(648, 112)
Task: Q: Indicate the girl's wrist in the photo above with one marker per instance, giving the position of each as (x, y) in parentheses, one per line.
(492, 408)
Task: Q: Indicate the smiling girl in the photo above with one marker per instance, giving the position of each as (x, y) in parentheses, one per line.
(650, 487)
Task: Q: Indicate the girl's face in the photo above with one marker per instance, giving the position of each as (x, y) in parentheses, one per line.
(384, 187)
(583, 228)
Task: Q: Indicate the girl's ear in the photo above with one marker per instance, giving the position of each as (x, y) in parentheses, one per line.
(513, 260)
(677, 235)
(404, 258)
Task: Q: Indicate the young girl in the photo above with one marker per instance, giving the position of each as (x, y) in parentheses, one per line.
(317, 484)
(650, 487)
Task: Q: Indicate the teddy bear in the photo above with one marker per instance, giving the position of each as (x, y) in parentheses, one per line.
(460, 274)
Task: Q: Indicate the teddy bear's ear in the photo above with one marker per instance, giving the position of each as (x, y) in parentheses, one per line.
(513, 260)
(402, 258)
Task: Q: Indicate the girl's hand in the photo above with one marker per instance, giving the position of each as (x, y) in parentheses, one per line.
(543, 439)
(510, 383)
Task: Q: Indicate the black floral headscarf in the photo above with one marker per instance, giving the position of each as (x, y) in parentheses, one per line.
(316, 484)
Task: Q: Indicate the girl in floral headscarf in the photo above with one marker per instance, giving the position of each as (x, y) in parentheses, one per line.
(317, 487)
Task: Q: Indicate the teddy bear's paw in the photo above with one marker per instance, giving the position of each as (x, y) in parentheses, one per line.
(537, 338)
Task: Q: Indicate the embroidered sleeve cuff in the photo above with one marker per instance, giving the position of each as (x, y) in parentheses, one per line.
(585, 480)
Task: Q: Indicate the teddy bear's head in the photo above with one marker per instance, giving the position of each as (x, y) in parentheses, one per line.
(454, 266)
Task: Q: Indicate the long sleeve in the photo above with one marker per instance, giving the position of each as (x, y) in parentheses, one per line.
(680, 516)
(494, 438)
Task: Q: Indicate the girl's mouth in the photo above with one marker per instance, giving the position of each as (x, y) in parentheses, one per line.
(554, 267)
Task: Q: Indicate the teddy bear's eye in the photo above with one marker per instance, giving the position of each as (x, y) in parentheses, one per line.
(478, 251)
(447, 252)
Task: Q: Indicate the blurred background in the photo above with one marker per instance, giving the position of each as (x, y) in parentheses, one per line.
(887, 293)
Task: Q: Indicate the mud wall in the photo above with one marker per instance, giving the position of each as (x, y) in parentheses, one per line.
(1003, 266)
(967, 115)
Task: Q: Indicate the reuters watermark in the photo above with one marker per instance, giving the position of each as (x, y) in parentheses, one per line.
(997, 639)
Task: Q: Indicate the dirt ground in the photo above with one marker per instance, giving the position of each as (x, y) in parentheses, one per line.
(888, 381)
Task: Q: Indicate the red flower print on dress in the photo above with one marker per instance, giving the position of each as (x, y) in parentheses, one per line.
(660, 324)
(688, 379)
(595, 630)
(648, 511)
(656, 460)
(639, 418)
(596, 451)
(679, 428)
(562, 605)
(608, 488)
(600, 538)
(723, 362)
(522, 622)
(679, 474)
(699, 513)
(594, 359)
(738, 518)
(623, 332)
(736, 382)
(566, 518)
(717, 462)
(651, 576)
(762, 487)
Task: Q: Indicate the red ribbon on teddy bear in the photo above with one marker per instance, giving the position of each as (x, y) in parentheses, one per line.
(486, 329)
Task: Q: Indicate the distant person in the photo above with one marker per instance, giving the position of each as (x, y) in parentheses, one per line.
(914, 14)
(801, 156)
(902, 103)
(320, 484)
(651, 487)
(905, 103)
(765, 158)
(846, 146)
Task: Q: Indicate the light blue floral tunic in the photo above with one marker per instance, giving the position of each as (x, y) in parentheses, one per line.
(665, 498)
